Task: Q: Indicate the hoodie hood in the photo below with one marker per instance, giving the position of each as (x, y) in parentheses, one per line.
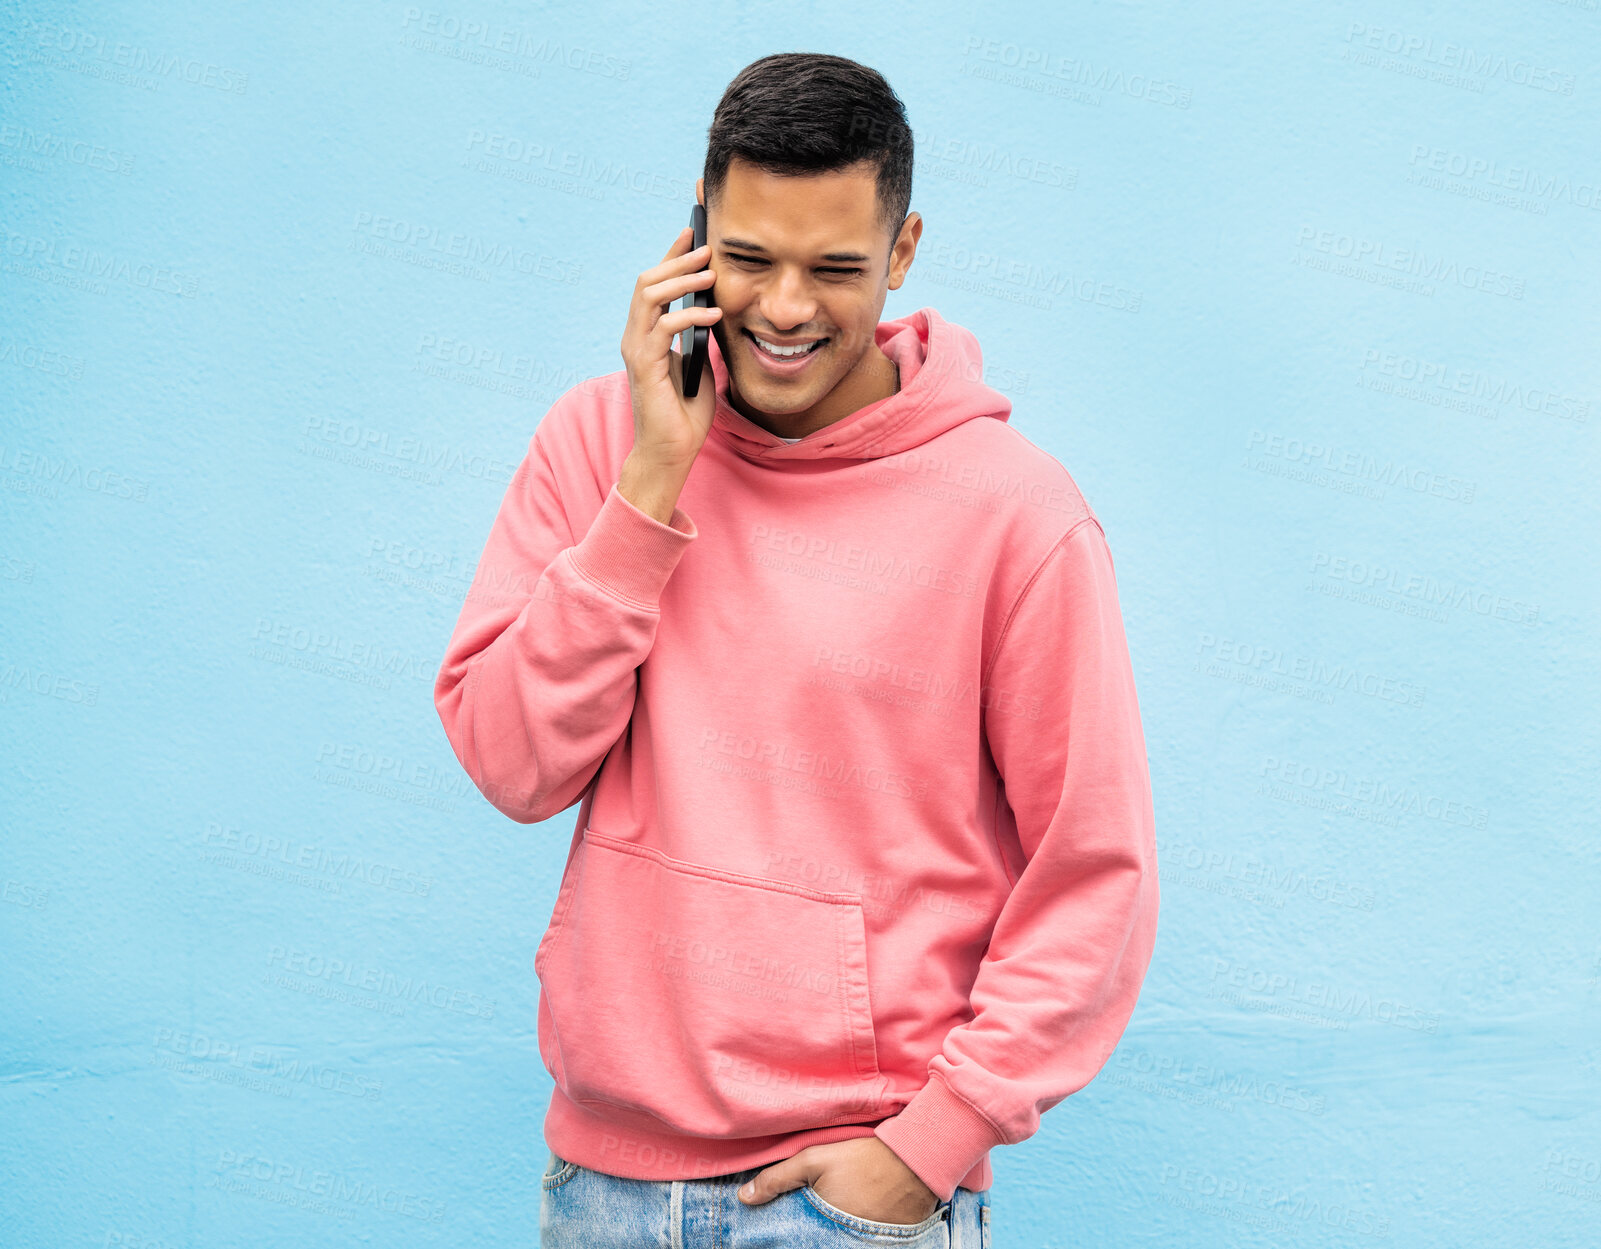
(941, 370)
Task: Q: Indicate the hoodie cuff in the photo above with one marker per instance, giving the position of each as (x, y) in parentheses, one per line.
(631, 555)
(939, 1136)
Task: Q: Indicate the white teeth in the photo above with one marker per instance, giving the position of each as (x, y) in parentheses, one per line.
(773, 349)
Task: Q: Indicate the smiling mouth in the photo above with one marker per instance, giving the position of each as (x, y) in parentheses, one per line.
(778, 351)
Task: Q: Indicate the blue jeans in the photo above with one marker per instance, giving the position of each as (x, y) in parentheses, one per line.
(584, 1209)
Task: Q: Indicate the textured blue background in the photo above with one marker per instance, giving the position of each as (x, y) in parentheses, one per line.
(1310, 315)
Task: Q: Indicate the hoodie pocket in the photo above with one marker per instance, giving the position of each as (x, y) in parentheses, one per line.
(718, 1004)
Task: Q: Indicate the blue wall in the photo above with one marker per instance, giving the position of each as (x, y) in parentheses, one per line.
(1306, 302)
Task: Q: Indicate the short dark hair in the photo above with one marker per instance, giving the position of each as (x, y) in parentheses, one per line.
(806, 112)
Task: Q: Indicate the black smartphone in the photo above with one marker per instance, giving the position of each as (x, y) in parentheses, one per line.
(698, 335)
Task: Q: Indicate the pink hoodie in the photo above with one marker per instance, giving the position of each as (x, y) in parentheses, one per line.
(866, 842)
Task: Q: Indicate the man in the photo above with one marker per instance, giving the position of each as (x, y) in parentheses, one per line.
(863, 880)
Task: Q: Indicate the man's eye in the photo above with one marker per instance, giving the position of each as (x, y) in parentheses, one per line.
(757, 260)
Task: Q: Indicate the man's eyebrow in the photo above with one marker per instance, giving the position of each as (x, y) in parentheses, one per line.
(744, 246)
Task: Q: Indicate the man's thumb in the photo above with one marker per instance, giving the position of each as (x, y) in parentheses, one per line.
(765, 1185)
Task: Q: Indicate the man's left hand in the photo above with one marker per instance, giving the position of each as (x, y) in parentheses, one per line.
(861, 1176)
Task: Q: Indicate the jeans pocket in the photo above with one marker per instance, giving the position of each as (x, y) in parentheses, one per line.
(557, 1172)
(873, 1227)
(716, 1003)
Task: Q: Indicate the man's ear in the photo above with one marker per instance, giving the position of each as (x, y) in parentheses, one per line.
(700, 190)
(904, 248)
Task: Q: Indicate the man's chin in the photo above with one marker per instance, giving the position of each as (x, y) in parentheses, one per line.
(772, 398)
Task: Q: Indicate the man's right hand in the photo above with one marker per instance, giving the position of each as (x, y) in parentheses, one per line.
(669, 430)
